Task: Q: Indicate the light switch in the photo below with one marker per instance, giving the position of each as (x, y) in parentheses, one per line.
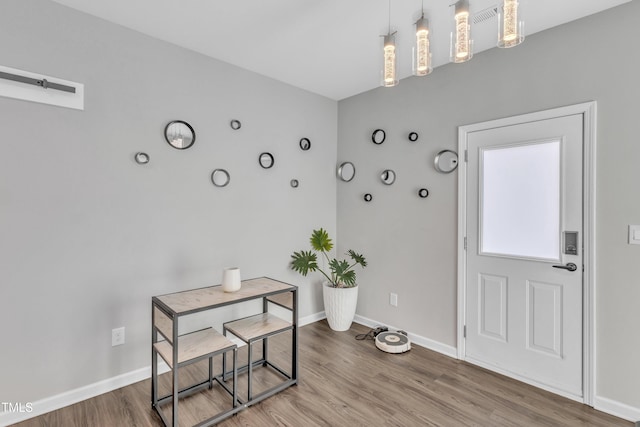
(634, 234)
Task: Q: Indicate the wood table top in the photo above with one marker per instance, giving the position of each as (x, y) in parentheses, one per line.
(213, 296)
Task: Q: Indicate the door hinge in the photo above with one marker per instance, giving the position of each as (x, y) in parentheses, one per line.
(464, 331)
(466, 156)
(465, 243)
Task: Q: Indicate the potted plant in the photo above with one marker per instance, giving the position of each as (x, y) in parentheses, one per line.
(340, 291)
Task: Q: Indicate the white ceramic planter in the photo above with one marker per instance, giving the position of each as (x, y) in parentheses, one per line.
(340, 306)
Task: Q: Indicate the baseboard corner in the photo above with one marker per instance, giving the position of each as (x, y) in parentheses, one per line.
(618, 409)
(427, 343)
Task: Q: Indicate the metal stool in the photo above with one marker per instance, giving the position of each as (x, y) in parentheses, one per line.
(192, 348)
(250, 330)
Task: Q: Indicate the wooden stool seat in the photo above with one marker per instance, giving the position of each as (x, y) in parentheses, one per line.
(256, 328)
(195, 346)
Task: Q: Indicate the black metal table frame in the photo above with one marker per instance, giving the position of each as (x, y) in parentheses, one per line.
(238, 405)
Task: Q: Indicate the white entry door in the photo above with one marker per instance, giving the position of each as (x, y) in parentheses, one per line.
(524, 280)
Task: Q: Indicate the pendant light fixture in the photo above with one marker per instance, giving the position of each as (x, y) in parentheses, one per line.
(390, 62)
(461, 43)
(422, 50)
(510, 24)
(390, 71)
(510, 33)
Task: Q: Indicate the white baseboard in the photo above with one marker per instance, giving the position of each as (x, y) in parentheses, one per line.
(312, 318)
(447, 350)
(618, 409)
(70, 397)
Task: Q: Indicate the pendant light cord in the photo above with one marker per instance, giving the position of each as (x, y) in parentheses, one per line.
(390, 33)
(389, 16)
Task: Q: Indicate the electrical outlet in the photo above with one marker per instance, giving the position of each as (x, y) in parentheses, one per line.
(117, 336)
(634, 234)
(393, 299)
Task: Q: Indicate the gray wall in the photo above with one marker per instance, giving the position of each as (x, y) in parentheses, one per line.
(87, 236)
(411, 243)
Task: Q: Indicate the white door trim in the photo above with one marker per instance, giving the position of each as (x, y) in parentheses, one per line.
(588, 110)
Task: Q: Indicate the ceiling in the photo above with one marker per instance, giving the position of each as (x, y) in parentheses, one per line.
(329, 47)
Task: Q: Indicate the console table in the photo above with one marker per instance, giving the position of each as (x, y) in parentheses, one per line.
(167, 310)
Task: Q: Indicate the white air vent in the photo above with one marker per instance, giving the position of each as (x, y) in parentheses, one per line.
(36, 91)
(485, 15)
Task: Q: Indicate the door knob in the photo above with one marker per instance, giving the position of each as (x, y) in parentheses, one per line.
(571, 266)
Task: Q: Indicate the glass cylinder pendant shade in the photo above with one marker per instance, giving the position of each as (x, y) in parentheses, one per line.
(510, 24)
(422, 51)
(389, 70)
(461, 43)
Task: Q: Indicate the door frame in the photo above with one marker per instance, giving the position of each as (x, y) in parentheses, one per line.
(588, 111)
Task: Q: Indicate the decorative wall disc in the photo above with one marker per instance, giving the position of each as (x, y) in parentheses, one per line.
(235, 124)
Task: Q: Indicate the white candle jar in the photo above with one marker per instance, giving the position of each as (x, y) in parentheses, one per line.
(231, 279)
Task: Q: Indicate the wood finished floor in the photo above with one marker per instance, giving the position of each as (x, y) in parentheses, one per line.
(345, 382)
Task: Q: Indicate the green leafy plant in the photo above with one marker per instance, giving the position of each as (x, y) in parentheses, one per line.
(341, 274)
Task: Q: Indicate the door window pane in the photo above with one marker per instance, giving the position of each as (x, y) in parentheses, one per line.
(520, 200)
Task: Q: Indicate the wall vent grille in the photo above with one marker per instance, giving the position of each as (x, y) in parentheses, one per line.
(485, 15)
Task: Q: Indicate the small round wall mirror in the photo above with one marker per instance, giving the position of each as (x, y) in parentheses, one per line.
(346, 171)
(305, 144)
(423, 193)
(368, 197)
(235, 124)
(266, 160)
(378, 136)
(179, 134)
(446, 161)
(142, 158)
(413, 137)
(220, 178)
(388, 177)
